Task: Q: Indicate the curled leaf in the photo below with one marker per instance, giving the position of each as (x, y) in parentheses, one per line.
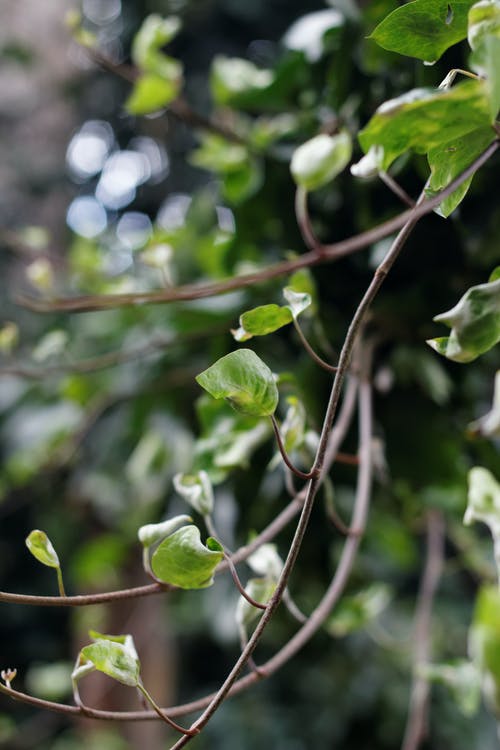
(318, 161)
(182, 560)
(41, 547)
(196, 489)
(154, 532)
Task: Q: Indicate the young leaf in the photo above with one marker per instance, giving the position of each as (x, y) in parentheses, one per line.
(244, 381)
(152, 92)
(318, 161)
(356, 612)
(448, 160)
(196, 489)
(484, 39)
(483, 499)
(153, 532)
(182, 559)
(153, 35)
(423, 119)
(233, 78)
(259, 589)
(262, 320)
(484, 644)
(423, 28)
(294, 425)
(266, 562)
(115, 659)
(41, 547)
(489, 425)
(474, 323)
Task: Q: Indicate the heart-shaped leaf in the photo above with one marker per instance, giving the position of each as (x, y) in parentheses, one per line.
(318, 161)
(244, 381)
(182, 559)
(113, 658)
(41, 547)
(196, 489)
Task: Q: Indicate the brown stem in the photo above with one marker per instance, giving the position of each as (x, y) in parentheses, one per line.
(284, 455)
(416, 725)
(329, 253)
(307, 346)
(304, 220)
(396, 188)
(240, 586)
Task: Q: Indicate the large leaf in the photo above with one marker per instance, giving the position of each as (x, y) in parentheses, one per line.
(41, 547)
(424, 28)
(474, 323)
(318, 161)
(115, 659)
(448, 160)
(196, 489)
(182, 559)
(484, 643)
(423, 119)
(484, 39)
(244, 381)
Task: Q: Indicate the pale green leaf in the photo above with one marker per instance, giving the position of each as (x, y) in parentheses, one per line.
(244, 381)
(318, 161)
(266, 562)
(484, 39)
(182, 559)
(489, 425)
(484, 643)
(293, 426)
(297, 301)
(196, 489)
(483, 502)
(474, 323)
(357, 611)
(260, 590)
(41, 547)
(423, 119)
(262, 320)
(463, 680)
(448, 160)
(115, 659)
(424, 28)
(153, 532)
(232, 77)
(152, 92)
(154, 34)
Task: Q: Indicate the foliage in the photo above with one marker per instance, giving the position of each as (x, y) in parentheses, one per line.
(205, 192)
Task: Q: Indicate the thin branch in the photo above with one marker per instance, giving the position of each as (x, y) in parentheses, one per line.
(416, 725)
(396, 188)
(284, 455)
(328, 254)
(307, 346)
(239, 585)
(86, 599)
(304, 220)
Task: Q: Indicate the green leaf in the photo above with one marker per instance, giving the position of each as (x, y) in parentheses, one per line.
(483, 499)
(463, 680)
(484, 39)
(233, 78)
(474, 323)
(356, 612)
(153, 532)
(318, 161)
(297, 301)
(115, 659)
(259, 589)
(449, 159)
(153, 92)
(41, 547)
(266, 562)
(489, 425)
(294, 425)
(262, 320)
(182, 559)
(154, 34)
(424, 28)
(484, 643)
(196, 489)
(423, 119)
(244, 381)
(217, 155)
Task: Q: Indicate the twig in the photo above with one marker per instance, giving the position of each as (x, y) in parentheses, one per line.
(396, 188)
(284, 455)
(239, 585)
(328, 254)
(416, 725)
(304, 220)
(307, 346)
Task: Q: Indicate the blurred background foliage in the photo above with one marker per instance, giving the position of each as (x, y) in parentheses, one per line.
(99, 410)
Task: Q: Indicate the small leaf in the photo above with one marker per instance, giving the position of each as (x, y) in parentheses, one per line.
(297, 301)
(483, 499)
(196, 489)
(318, 161)
(260, 590)
(484, 644)
(489, 425)
(461, 678)
(153, 35)
(41, 547)
(115, 659)
(474, 323)
(152, 92)
(244, 381)
(232, 78)
(424, 28)
(153, 532)
(423, 119)
(450, 159)
(266, 562)
(356, 612)
(370, 164)
(182, 559)
(293, 428)
(262, 320)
